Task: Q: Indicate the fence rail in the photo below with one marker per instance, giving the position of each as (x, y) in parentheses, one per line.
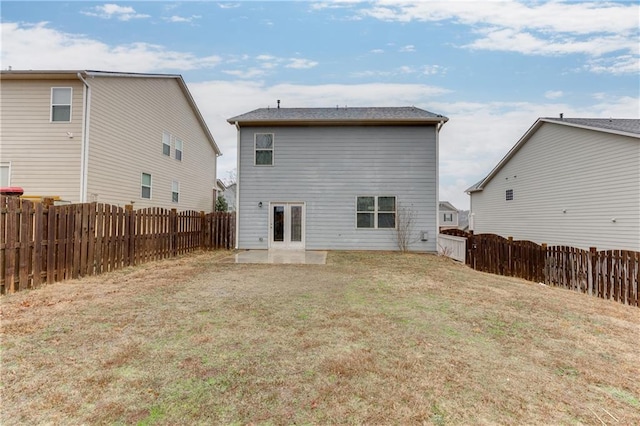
(41, 243)
(610, 274)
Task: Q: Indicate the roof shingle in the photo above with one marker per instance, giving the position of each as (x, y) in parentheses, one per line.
(628, 125)
(373, 114)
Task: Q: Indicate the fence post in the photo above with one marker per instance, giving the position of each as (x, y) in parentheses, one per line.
(173, 231)
(203, 244)
(544, 275)
(510, 257)
(129, 232)
(592, 273)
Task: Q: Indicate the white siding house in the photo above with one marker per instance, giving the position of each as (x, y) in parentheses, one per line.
(114, 138)
(567, 181)
(448, 215)
(337, 178)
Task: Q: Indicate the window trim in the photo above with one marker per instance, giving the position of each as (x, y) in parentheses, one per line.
(150, 186)
(255, 149)
(70, 105)
(175, 184)
(7, 164)
(176, 150)
(376, 211)
(166, 143)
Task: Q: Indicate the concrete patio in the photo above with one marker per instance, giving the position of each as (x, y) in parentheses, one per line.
(280, 256)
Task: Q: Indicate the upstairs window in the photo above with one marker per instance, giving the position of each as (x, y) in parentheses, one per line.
(179, 144)
(508, 194)
(448, 217)
(5, 174)
(175, 191)
(264, 149)
(166, 143)
(61, 104)
(146, 186)
(375, 212)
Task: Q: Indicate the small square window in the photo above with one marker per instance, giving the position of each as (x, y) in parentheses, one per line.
(166, 143)
(448, 217)
(264, 149)
(175, 191)
(61, 104)
(146, 186)
(179, 145)
(509, 194)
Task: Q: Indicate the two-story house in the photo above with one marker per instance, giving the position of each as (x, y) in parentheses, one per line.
(337, 178)
(117, 138)
(567, 181)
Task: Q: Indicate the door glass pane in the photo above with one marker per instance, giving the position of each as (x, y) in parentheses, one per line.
(278, 223)
(296, 223)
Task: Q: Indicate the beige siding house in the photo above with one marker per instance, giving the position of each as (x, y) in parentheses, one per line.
(114, 138)
(448, 215)
(568, 181)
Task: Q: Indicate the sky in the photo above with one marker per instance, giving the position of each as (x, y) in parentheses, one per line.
(492, 67)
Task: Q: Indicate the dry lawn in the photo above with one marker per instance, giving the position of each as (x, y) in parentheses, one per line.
(369, 338)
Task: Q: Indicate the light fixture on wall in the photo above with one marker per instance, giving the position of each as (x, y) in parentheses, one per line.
(260, 204)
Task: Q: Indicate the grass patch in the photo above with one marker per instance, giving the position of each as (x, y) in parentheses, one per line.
(369, 338)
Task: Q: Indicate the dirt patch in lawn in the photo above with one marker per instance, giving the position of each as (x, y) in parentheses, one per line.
(375, 338)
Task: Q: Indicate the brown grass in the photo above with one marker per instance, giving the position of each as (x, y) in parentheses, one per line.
(369, 338)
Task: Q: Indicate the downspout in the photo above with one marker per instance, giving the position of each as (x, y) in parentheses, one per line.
(84, 152)
(237, 200)
(438, 127)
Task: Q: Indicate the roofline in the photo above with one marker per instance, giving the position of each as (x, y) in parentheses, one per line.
(73, 74)
(338, 122)
(448, 204)
(539, 122)
(584, 126)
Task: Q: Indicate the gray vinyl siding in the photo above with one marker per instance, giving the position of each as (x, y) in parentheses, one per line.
(594, 176)
(327, 168)
(44, 155)
(128, 117)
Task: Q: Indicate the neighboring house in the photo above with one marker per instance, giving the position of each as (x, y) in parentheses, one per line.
(116, 138)
(568, 181)
(229, 195)
(448, 215)
(337, 178)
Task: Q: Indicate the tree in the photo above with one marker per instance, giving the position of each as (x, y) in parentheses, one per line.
(404, 228)
(221, 204)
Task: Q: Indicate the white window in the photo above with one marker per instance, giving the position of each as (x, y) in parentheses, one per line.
(509, 194)
(146, 186)
(175, 191)
(166, 143)
(264, 149)
(5, 174)
(448, 217)
(179, 144)
(61, 104)
(375, 212)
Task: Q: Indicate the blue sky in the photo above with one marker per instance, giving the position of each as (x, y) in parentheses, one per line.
(492, 67)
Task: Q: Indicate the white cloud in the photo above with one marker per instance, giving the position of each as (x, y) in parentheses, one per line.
(246, 73)
(186, 19)
(408, 48)
(433, 69)
(623, 64)
(377, 51)
(109, 10)
(531, 28)
(553, 94)
(39, 47)
(300, 63)
(228, 5)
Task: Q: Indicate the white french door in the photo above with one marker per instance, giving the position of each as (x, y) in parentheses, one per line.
(286, 226)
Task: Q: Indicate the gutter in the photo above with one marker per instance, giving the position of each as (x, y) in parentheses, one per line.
(84, 152)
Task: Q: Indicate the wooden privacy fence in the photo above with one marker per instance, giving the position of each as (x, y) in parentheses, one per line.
(41, 243)
(610, 274)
